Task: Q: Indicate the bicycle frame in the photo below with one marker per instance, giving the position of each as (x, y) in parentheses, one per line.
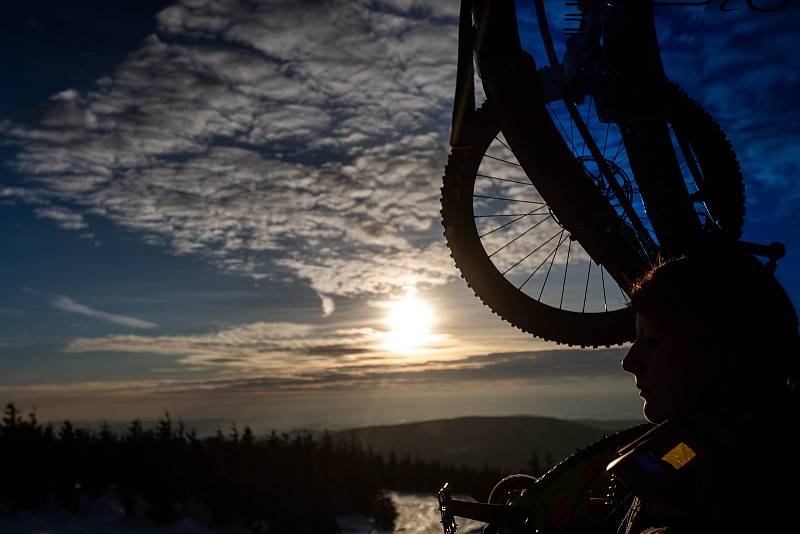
(626, 29)
(627, 81)
(561, 180)
(575, 495)
(588, 192)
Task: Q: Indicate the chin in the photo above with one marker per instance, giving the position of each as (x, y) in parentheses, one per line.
(652, 414)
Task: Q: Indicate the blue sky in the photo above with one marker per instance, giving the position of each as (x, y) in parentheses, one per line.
(211, 207)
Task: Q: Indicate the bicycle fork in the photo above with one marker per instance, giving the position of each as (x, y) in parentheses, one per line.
(628, 84)
(514, 87)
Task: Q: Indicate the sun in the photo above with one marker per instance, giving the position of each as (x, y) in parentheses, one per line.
(410, 321)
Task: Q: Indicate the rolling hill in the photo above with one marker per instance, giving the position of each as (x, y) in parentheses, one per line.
(506, 443)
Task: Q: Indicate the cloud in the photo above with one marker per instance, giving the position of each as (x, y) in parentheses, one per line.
(29, 196)
(282, 349)
(542, 367)
(269, 138)
(68, 305)
(275, 140)
(65, 218)
(295, 356)
(328, 304)
(547, 367)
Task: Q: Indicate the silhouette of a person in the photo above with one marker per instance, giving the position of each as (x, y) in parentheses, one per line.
(715, 360)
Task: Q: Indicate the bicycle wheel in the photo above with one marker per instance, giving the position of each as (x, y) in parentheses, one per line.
(514, 253)
(703, 155)
(522, 272)
(523, 264)
(712, 174)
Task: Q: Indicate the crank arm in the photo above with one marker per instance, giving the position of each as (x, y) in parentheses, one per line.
(500, 515)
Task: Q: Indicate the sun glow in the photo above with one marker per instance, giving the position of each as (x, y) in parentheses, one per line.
(409, 321)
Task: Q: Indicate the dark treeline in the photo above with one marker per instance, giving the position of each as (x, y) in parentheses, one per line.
(275, 482)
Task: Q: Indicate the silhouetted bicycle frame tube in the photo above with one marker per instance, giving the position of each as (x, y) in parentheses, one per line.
(519, 93)
(560, 179)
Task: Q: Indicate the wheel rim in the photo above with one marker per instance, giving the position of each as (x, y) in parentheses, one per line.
(580, 327)
(527, 245)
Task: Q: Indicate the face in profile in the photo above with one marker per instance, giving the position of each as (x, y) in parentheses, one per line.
(674, 373)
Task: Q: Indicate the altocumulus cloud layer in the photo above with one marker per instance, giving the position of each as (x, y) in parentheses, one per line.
(275, 136)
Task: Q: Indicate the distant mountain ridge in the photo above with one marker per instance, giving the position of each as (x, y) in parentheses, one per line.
(506, 443)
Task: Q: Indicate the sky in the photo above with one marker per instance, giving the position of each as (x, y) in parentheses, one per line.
(229, 210)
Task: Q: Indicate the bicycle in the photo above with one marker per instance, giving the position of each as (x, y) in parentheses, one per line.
(651, 172)
(576, 495)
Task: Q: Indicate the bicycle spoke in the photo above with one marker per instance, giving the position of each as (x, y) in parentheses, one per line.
(544, 260)
(624, 296)
(502, 143)
(550, 267)
(502, 215)
(520, 235)
(505, 180)
(645, 225)
(571, 138)
(513, 221)
(603, 280)
(588, 114)
(529, 254)
(558, 120)
(509, 199)
(605, 141)
(566, 268)
(691, 161)
(586, 289)
(503, 160)
(620, 146)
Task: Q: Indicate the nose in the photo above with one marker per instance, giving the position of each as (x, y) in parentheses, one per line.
(632, 362)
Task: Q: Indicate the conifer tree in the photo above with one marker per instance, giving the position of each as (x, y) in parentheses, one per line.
(11, 417)
(164, 432)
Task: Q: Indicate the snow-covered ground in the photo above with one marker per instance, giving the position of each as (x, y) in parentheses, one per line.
(417, 514)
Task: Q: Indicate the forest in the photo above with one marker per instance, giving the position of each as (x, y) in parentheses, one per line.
(275, 482)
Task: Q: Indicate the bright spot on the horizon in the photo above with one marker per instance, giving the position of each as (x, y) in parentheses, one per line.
(409, 320)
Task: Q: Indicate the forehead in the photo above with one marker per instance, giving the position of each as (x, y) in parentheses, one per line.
(678, 326)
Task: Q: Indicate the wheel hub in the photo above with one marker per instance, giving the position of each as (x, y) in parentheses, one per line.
(626, 185)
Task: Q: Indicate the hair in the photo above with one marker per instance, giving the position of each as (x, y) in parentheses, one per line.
(731, 300)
